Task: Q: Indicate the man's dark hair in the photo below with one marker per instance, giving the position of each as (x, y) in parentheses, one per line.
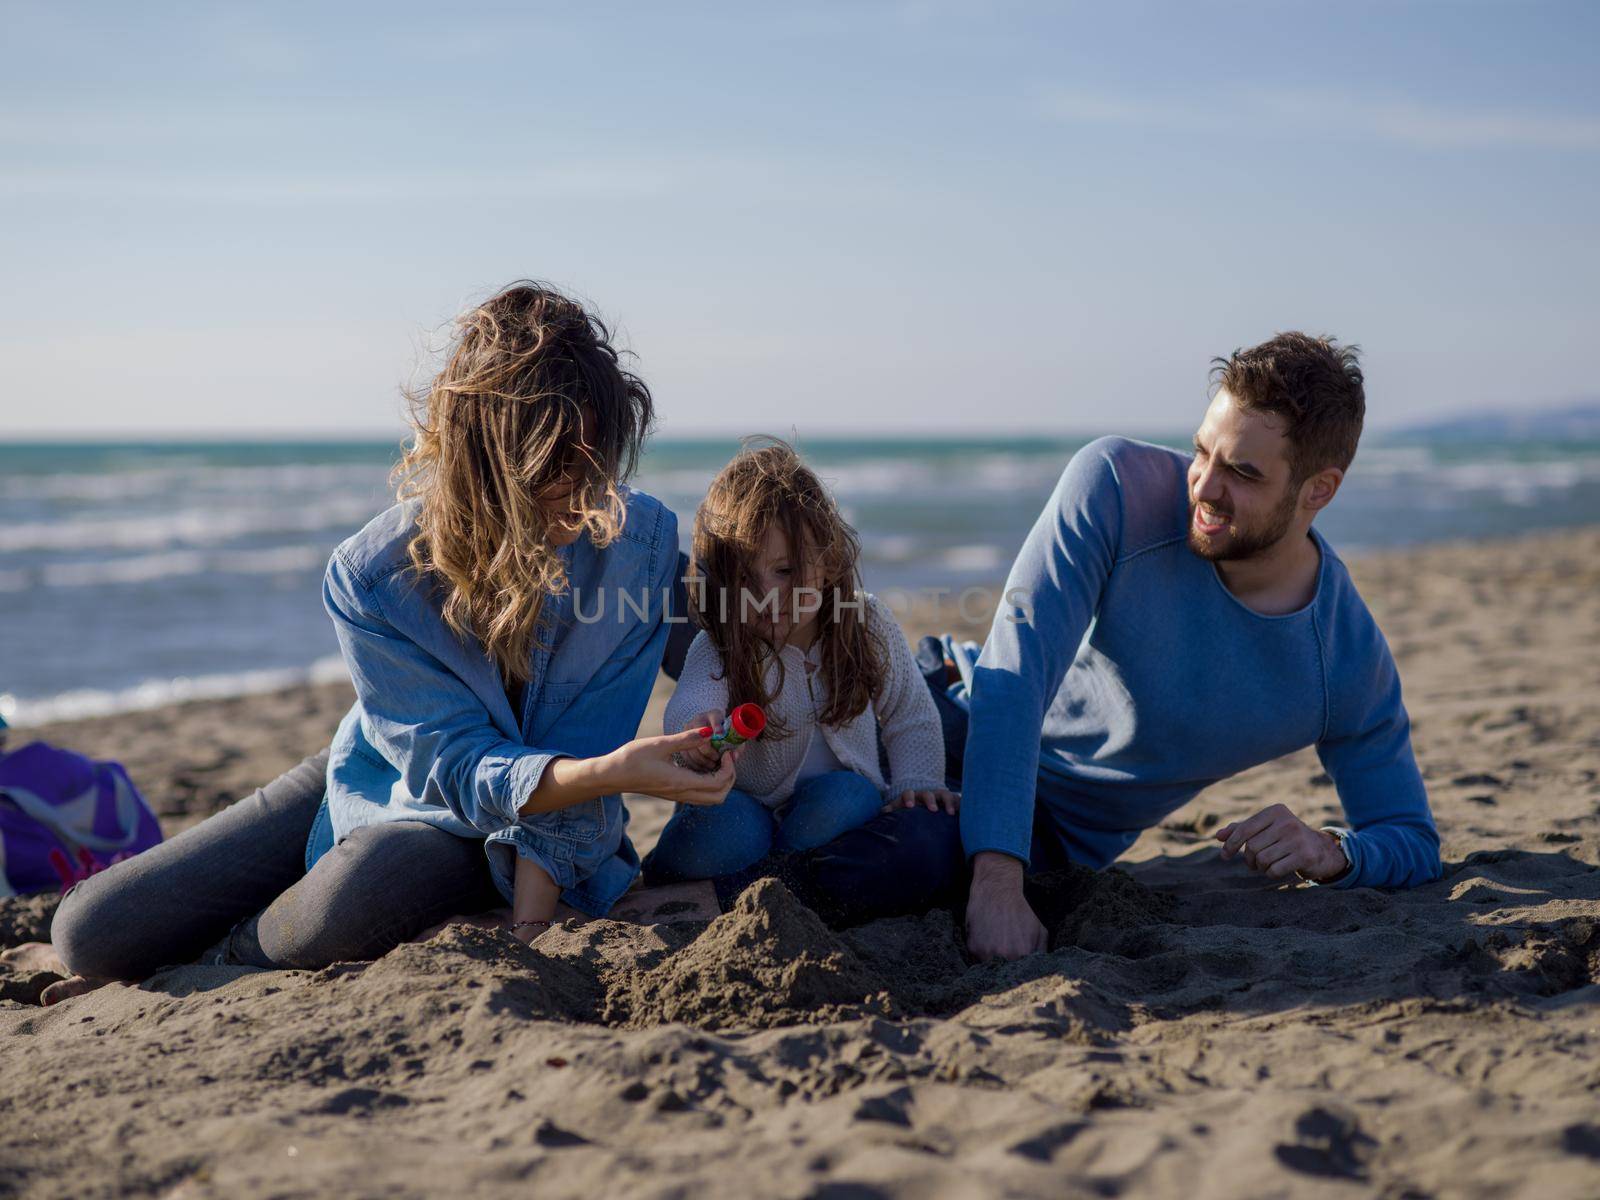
(1313, 385)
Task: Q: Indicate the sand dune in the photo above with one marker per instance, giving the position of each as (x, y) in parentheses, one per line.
(1194, 1030)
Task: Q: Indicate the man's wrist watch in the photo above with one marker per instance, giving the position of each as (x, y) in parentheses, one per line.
(1340, 835)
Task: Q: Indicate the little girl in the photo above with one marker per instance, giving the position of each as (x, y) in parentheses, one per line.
(785, 625)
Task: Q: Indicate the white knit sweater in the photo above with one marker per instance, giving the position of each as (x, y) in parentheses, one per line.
(768, 769)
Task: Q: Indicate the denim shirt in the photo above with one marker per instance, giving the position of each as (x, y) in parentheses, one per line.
(432, 736)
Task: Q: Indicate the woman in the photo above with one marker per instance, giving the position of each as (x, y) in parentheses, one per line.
(484, 708)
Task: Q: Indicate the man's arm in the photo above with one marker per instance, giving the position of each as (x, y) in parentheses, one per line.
(1393, 841)
(1051, 596)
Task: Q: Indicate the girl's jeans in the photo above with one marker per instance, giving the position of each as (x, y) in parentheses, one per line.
(705, 841)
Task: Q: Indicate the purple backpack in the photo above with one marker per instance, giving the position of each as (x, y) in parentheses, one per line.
(63, 817)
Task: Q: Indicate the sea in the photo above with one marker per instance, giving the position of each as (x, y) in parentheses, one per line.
(137, 574)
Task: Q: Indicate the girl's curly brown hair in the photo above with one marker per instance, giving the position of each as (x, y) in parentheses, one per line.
(532, 396)
(767, 485)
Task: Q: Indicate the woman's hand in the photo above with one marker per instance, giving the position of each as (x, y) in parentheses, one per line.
(646, 765)
(701, 757)
(933, 801)
(643, 765)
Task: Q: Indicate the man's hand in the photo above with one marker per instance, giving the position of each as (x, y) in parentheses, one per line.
(1278, 844)
(999, 922)
(932, 801)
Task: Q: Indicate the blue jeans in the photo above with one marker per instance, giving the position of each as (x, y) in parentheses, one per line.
(704, 841)
(906, 860)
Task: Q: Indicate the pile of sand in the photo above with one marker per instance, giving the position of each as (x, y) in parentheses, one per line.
(767, 961)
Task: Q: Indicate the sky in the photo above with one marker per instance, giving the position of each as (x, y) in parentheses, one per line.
(900, 217)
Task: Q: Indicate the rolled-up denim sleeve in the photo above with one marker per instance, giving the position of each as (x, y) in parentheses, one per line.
(423, 718)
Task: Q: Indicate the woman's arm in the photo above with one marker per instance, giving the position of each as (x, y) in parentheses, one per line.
(615, 698)
(423, 718)
(427, 722)
(644, 765)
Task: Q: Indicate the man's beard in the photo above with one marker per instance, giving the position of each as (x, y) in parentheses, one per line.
(1246, 543)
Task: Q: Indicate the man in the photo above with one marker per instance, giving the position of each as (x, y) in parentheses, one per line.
(1178, 620)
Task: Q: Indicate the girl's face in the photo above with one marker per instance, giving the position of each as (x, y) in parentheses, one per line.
(786, 618)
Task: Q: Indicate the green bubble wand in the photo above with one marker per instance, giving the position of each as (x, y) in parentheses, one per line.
(743, 724)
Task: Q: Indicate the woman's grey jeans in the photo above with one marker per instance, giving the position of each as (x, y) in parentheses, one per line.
(236, 885)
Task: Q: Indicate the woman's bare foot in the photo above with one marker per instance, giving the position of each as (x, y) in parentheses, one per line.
(65, 989)
(42, 956)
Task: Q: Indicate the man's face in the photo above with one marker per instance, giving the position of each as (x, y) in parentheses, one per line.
(1241, 501)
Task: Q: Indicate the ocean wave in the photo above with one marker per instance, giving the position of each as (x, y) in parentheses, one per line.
(191, 527)
(953, 472)
(1486, 475)
(982, 557)
(114, 485)
(946, 477)
(890, 547)
(146, 568)
(1442, 487)
(156, 693)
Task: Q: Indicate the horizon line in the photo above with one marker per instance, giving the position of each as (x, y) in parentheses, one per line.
(214, 436)
(708, 434)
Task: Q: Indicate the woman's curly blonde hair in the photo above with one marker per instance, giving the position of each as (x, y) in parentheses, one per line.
(532, 396)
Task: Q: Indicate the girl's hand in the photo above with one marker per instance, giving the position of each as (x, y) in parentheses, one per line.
(701, 757)
(645, 765)
(933, 801)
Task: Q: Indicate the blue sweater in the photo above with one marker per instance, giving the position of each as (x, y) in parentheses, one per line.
(1134, 679)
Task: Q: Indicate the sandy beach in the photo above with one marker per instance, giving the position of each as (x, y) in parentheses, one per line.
(1196, 1030)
